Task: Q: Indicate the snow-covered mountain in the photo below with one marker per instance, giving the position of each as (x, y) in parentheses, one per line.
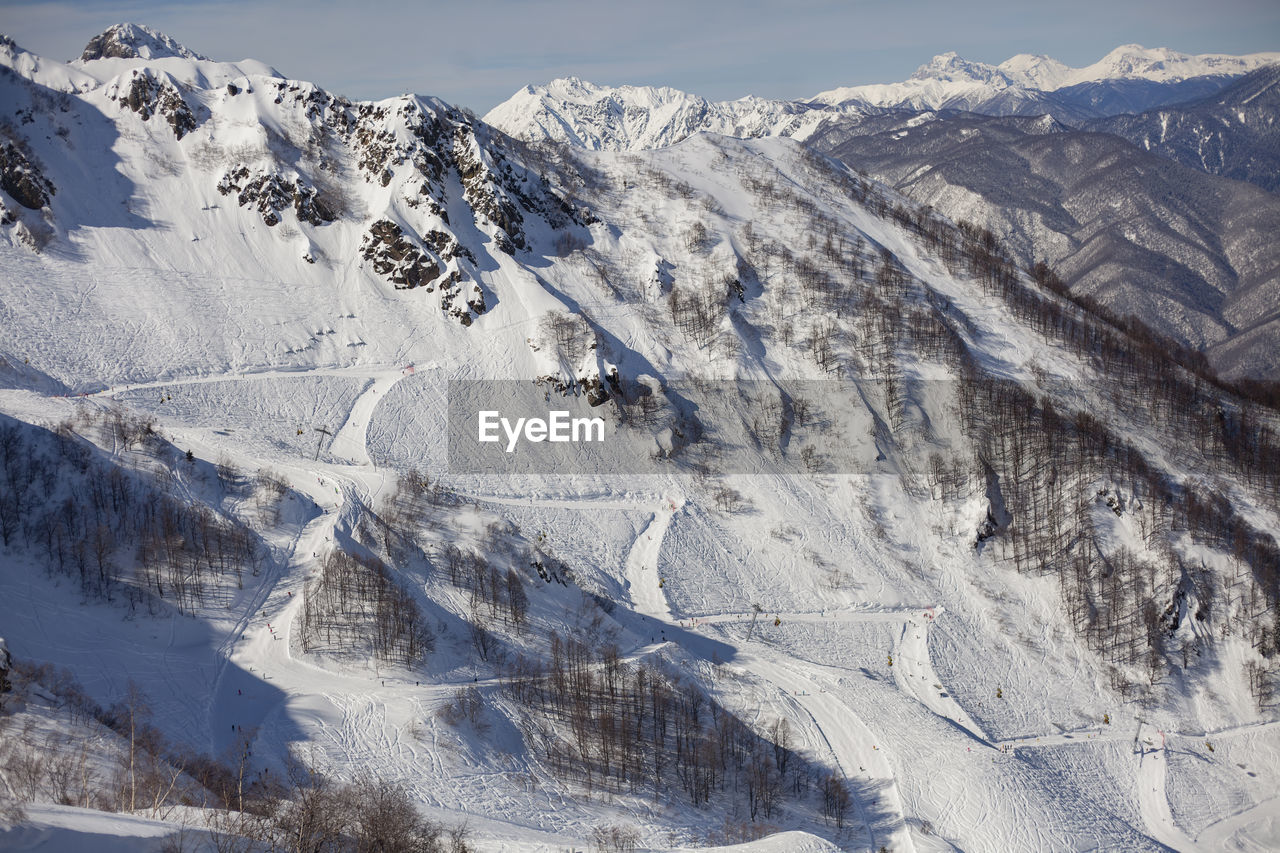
(949, 82)
(1186, 251)
(1233, 133)
(625, 118)
(894, 543)
(133, 41)
(1129, 79)
(1189, 246)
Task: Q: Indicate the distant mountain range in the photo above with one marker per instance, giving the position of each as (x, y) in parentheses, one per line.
(1192, 254)
(1112, 172)
(1129, 79)
(1231, 133)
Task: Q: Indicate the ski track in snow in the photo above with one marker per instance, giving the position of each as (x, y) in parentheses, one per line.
(644, 579)
(1153, 801)
(267, 681)
(260, 680)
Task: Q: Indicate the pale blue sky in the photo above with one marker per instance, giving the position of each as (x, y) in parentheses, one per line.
(477, 53)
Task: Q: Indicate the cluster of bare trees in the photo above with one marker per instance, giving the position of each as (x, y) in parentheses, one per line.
(1043, 466)
(111, 759)
(698, 310)
(1045, 461)
(356, 602)
(406, 514)
(114, 759)
(614, 725)
(310, 812)
(570, 335)
(492, 593)
(858, 311)
(112, 529)
(1230, 424)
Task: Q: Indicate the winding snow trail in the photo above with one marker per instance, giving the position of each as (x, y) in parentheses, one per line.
(644, 581)
(914, 674)
(350, 440)
(263, 682)
(852, 745)
(259, 674)
(1153, 801)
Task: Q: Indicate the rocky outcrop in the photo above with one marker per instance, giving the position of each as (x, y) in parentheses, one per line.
(443, 139)
(271, 194)
(147, 96)
(21, 179)
(397, 258)
(460, 297)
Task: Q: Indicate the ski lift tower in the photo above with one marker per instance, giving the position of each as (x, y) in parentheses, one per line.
(756, 610)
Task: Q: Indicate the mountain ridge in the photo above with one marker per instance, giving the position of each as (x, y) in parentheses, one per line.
(906, 531)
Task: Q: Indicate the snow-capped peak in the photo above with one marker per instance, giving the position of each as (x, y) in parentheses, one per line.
(951, 67)
(134, 41)
(127, 48)
(950, 80)
(570, 109)
(1035, 71)
(1160, 64)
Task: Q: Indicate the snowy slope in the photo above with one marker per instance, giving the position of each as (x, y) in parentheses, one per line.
(206, 248)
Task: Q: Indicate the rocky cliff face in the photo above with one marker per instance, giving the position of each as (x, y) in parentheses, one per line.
(429, 190)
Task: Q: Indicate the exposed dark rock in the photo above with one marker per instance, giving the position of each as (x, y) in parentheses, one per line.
(588, 386)
(20, 178)
(395, 257)
(271, 194)
(148, 96)
(446, 246)
(443, 140)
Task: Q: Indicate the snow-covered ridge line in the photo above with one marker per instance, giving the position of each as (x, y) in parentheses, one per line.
(635, 117)
(948, 74)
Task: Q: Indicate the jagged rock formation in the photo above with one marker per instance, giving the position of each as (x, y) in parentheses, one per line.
(430, 191)
(270, 194)
(397, 258)
(147, 95)
(20, 178)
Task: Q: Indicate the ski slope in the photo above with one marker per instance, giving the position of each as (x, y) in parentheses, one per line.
(281, 349)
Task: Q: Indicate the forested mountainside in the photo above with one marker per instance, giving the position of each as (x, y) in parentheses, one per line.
(918, 547)
(1034, 151)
